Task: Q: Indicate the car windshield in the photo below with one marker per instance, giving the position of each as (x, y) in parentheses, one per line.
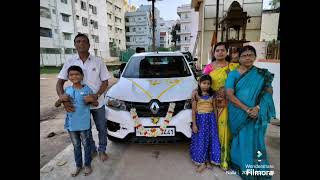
(188, 57)
(156, 67)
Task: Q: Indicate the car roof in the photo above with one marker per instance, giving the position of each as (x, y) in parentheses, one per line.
(158, 54)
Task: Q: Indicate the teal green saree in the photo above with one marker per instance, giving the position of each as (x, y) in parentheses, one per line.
(248, 149)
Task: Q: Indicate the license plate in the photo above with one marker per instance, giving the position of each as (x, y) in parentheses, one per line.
(169, 131)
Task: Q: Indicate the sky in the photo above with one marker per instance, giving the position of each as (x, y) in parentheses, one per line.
(168, 8)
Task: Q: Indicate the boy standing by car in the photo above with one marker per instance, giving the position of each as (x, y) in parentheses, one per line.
(78, 122)
(96, 76)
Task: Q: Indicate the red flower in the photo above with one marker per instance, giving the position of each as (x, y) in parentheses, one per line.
(166, 121)
(134, 117)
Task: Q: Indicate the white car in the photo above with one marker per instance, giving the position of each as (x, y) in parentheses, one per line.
(137, 106)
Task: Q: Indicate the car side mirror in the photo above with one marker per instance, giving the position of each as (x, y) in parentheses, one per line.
(195, 59)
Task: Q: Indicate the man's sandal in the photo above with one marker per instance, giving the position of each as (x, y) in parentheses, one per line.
(76, 171)
(87, 170)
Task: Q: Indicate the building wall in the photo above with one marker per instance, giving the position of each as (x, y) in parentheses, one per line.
(167, 28)
(141, 37)
(194, 28)
(62, 46)
(118, 28)
(103, 29)
(273, 67)
(57, 42)
(188, 19)
(97, 48)
(269, 26)
(142, 22)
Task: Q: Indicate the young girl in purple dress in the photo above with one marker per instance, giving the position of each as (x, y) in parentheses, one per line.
(205, 145)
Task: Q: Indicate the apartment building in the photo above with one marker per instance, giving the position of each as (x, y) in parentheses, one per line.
(57, 28)
(188, 27)
(139, 28)
(116, 24)
(62, 20)
(165, 32)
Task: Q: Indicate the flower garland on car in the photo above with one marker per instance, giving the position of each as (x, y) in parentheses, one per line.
(154, 132)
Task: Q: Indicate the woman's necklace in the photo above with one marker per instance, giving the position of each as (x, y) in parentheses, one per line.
(215, 64)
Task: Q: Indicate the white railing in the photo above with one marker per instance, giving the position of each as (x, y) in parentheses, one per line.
(183, 31)
(183, 9)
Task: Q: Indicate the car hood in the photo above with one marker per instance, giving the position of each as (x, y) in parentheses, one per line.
(143, 90)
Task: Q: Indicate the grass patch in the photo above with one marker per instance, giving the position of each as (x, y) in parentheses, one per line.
(56, 70)
(50, 70)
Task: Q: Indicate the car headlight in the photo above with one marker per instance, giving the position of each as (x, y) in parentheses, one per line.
(188, 104)
(115, 103)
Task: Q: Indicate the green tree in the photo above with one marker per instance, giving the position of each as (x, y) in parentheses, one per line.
(175, 37)
(163, 49)
(114, 50)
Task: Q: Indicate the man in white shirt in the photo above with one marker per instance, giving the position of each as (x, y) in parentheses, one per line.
(96, 76)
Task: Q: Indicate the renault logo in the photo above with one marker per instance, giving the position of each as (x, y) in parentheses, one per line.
(154, 107)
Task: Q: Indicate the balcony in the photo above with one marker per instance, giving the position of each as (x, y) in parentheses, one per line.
(181, 9)
(140, 42)
(183, 31)
(130, 33)
(184, 42)
(140, 23)
(130, 23)
(141, 32)
(130, 43)
(185, 20)
(135, 43)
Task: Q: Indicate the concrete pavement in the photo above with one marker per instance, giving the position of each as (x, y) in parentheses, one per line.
(147, 161)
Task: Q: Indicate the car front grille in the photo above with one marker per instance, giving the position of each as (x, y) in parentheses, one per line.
(143, 109)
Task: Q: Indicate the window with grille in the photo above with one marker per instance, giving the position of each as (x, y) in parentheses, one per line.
(64, 1)
(65, 17)
(45, 32)
(84, 21)
(67, 36)
(45, 12)
(93, 9)
(83, 5)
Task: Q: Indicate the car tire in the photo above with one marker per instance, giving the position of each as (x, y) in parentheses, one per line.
(116, 140)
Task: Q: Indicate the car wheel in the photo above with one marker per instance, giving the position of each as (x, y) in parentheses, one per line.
(116, 140)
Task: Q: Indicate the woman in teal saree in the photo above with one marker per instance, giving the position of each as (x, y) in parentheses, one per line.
(250, 109)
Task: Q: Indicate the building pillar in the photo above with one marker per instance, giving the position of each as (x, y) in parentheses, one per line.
(244, 30)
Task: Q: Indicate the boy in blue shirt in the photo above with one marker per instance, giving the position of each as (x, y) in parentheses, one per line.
(78, 122)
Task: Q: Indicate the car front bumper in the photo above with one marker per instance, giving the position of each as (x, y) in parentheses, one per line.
(124, 125)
